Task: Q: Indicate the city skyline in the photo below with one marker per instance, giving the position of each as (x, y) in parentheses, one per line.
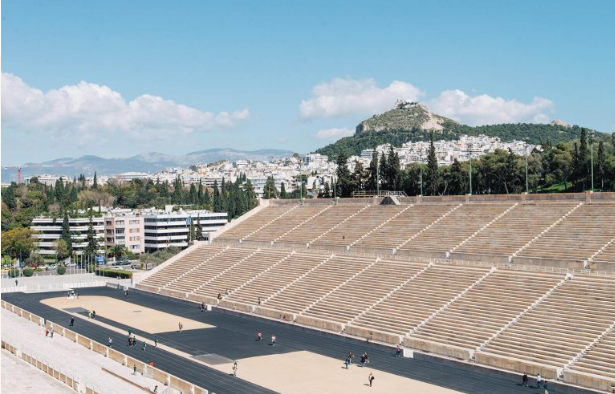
(117, 80)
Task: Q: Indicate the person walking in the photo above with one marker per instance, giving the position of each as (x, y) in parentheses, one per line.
(546, 387)
(72, 321)
(110, 342)
(93, 314)
(156, 342)
(259, 336)
(46, 332)
(525, 380)
(125, 293)
(134, 369)
(347, 361)
(134, 340)
(371, 378)
(235, 369)
(273, 339)
(180, 325)
(538, 381)
(129, 340)
(398, 351)
(144, 346)
(51, 332)
(17, 283)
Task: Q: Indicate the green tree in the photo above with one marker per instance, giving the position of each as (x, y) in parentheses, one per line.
(92, 246)
(458, 184)
(359, 176)
(18, 242)
(373, 172)
(269, 190)
(199, 228)
(66, 235)
(344, 179)
(283, 191)
(432, 183)
(217, 204)
(601, 164)
(61, 248)
(393, 174)
(193, 195)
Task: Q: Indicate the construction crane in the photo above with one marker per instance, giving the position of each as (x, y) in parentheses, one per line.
(33, 166)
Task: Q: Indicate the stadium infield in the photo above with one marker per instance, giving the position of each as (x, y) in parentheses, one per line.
(303, 361)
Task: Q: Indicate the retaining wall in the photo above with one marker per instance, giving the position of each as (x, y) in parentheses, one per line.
(589, 380)
(512, 364)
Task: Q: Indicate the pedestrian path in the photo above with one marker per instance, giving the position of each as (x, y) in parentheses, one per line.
(83, 364)
(19, 377)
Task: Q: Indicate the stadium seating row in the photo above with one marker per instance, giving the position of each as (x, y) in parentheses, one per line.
(519, 320)
(565, 234)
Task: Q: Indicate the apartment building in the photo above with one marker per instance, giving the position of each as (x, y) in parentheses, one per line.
(125, 227)
(168, 228)
(48, 230)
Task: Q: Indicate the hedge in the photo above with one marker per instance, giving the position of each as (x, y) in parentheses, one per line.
(114, 273)
(28, 272)
(61, 270)
(13, 272)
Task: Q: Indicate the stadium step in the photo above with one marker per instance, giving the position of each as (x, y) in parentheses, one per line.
(302, 223)
(436, 313)
(522, 313)
(339, 224)
(484, 227)
(298, 279)
(193, 269)
(427, 228)
(612, 241)
(225, 271)
(389, 294)
(340, 285)
(609, 330)
(527, 245)
(252, 279)
(269, 222)
(380, 225)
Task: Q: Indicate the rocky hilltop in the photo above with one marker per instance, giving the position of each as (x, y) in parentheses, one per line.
(405, 116)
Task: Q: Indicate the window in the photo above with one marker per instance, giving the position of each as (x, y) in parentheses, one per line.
(119, 223)
(119, 231)
(137, 221)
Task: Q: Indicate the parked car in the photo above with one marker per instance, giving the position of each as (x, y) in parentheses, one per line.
(51, 267)
(71, 265)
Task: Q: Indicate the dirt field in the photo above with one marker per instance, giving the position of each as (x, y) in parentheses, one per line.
(305, 372)
(136, 316)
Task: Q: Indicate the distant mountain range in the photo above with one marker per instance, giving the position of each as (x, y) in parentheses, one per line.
(147, 162)
(411, 121)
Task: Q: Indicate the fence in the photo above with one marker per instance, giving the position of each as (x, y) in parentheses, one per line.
(77, 382)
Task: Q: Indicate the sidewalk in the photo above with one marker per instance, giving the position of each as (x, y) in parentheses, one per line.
(19, 377)
(87, 366)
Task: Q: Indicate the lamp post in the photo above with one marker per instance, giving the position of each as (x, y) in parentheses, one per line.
(421, 171)
(527, 189)
(591, 149)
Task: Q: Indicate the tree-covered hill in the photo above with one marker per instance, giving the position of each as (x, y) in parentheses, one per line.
(411, 122)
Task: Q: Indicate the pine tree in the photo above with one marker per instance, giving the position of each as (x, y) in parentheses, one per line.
(373, 172)
(199, 197)
(95, 182)
(359, 176)
(199, 228)
(193, 196)
(383, 171)
(283, 191)
(66, 235)
(458, 184)
(269, 191)
(92, 246)
(394, 170)
(344, 179)
(217, 206)
(432, 169)
(584, 171)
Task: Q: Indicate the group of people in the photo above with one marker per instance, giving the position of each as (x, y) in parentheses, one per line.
(539, 382)
(49, 332)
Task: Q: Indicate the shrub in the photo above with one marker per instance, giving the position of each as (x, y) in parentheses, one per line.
(114, 273)
(28, 272)
(90, 268)
(13, 272)
(61, 270)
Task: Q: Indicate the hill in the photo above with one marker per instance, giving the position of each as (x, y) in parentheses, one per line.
(146, 162)
(408, 122)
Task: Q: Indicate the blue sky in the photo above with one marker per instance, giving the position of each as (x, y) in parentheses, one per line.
(118, 78)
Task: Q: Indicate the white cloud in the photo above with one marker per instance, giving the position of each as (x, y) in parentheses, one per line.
(484, 109)
(346, 96)
(334, 133)
(89, 112)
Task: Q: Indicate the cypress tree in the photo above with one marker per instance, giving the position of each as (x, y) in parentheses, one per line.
(90, 249)
(66, 236)
(432, 169)
(217, 207)
(193, 196)
(199, 228)
(373, 172)
(344, 179)
(601, 164)
(283, 191)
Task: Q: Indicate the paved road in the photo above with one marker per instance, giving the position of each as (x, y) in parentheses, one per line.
(234, 337)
